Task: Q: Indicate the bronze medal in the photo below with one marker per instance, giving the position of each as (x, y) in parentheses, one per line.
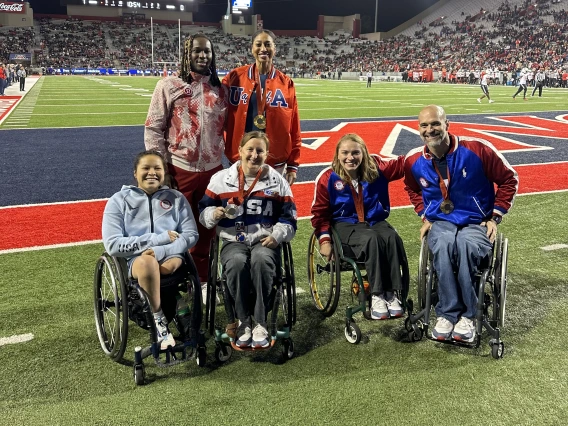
(447, 206)
(260, 122)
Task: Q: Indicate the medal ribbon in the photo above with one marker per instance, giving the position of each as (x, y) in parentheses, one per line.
(242, 193)
(260, 94)
(443, 187)
(358, 198)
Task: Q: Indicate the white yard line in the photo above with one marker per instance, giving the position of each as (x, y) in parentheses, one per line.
(554, 247)
(18, 338)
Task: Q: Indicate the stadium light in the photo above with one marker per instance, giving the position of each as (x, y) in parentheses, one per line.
(376, 12)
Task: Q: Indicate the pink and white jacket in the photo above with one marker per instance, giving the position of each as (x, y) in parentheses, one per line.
(185, 122)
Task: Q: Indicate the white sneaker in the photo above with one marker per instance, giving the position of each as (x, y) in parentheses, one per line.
(379, 308)
(395, 308)
(464, 331)
(478, 100)
(244, 335)
(260, 337)
(443, 329)
(165, 338)
(491, 101)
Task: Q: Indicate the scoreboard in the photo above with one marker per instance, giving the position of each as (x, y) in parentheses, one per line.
(164, 5)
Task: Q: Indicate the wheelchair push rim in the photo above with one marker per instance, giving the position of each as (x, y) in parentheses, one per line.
(324, 278)
(111, 307)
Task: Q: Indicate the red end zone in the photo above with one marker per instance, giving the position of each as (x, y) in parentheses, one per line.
(23, 227)
(7, 104)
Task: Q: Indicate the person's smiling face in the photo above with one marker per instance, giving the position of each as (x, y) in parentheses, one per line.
(201, 55)
(263, 49)
(350, 156)
(253, 155)
(150, 173)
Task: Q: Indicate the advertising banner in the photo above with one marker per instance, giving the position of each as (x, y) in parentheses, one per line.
(11, 7)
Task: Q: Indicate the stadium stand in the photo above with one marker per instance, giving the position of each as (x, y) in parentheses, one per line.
(461, 38)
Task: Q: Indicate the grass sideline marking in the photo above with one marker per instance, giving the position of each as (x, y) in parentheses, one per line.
(554, 247)
(17, 338)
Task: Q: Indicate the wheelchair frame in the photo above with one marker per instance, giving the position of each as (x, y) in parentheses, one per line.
(118, 299)
(283, 292)
(491, 292)
(331, 271)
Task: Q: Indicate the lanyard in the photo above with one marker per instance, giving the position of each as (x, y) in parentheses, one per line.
(242, 193)
(260, 93)
(358, 198)
(443, 188)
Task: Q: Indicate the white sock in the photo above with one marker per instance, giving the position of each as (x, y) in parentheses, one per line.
(159, 314)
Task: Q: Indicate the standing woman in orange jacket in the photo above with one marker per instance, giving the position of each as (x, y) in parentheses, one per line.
(264, 99)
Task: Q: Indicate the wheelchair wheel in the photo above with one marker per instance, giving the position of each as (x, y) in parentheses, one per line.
(288, 349)
(211, 302)
(289, 302)
(324, 278)
(223, 353)
(423, 272)
(139, 374)
(500, 267)
(111, 306)
(353, 333)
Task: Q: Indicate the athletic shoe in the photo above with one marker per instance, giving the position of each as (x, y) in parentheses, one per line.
(491, 101)
(260, 337)
(394, 307)
(525, 99)
(244, 334)
(165, 338)
(379, 309)
(464, 331)
(443, 329)
(478, 100)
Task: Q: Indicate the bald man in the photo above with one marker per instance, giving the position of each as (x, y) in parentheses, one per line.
(450, 181)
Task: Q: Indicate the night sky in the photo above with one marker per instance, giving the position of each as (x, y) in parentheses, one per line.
(298, 14)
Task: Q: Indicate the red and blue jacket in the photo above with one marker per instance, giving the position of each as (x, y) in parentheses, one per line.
(474, 168)
(334, 201)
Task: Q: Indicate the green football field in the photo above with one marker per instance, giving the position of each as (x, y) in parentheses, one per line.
(61, 376)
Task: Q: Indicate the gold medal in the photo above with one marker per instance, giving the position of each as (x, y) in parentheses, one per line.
(447, 206)
(260, 122)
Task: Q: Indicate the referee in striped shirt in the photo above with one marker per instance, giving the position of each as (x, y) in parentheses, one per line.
(539, 80)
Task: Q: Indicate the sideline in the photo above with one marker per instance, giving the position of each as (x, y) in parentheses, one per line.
(12, 97)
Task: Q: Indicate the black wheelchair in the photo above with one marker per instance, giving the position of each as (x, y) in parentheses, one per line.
(491, 285)
(281, 312)
(118, 299)
(325, 283)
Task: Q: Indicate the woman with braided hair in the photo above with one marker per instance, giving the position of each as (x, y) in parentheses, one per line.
(185, 123)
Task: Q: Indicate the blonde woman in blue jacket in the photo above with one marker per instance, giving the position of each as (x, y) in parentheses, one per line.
(152, 226)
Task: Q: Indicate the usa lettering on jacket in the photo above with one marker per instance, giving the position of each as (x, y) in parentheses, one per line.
(237, 96)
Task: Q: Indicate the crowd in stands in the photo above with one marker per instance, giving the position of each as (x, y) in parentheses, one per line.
(514, 34)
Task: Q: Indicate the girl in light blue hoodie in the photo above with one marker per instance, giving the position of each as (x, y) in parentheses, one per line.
(152, 226)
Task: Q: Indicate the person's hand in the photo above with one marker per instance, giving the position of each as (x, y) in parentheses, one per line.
(269, 242)
(173, 236)
(491, 230)
(326, 250)
(149, 252)
(425, 228)
(291, 177)
(219, 213)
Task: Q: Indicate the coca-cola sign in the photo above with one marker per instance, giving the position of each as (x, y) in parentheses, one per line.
(9, 7)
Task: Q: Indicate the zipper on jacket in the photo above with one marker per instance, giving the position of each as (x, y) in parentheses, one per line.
(201, 123)
(151, 213)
